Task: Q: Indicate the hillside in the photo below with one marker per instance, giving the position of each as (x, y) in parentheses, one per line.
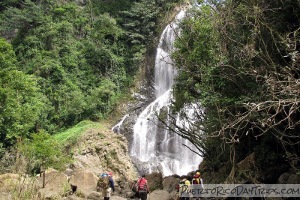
(67, 67)
(94, 149)
(70, 60)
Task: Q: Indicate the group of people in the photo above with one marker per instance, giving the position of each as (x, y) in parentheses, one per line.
(141, 187)
(184, 186)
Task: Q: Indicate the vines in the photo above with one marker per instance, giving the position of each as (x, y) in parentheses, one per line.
(246, 76)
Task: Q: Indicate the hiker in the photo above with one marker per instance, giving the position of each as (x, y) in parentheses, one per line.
(184, 185)
(197, 180)
(142, 187)
(106, 192)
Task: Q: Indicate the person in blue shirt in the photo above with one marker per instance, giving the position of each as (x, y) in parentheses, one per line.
(106, 193)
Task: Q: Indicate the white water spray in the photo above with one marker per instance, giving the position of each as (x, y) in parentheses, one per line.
(155, 147)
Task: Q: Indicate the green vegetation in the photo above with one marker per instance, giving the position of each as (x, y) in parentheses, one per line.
(64, 67)
(21, 99)
(239, 62)
(71, 135)
(63, 62)
(41, 152)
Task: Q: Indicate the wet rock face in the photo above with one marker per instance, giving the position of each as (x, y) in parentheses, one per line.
(141, 99)
(126, 128)
(132, 109)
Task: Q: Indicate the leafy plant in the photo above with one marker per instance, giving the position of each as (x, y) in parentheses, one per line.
(42, 151)
(238, 64)
(21, 99)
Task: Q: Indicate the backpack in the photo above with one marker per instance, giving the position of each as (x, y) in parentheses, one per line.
(196, 179)
(183, 185)
(142, 186)
(103, 181)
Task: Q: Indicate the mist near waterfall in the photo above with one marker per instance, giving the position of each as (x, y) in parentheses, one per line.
(156, 148)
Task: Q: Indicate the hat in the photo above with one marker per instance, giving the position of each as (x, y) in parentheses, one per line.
(109, 173)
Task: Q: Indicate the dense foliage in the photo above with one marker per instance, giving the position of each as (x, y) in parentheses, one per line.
(239, 62)
(21, 99)
(42, 152)
(64, 61)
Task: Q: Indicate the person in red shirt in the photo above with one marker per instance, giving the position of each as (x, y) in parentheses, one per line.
(142, 187)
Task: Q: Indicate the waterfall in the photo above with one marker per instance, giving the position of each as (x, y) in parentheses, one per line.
(116, 128)
(154, 146)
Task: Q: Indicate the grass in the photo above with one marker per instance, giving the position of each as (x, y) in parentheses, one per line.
(72, 134)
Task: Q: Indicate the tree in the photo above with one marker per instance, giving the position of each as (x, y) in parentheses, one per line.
(20, 97)
(42, 152)
(241, 66)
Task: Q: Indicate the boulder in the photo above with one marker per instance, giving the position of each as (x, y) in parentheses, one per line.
(288, 178)
(94, 196)
(159, 194)
(84, 181)
(56, 185)
(117, 198)
(73, 197)
(169, 183)
(155, 180)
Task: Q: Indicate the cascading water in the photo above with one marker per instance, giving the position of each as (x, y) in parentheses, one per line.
(156, 148)
(118, 125)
